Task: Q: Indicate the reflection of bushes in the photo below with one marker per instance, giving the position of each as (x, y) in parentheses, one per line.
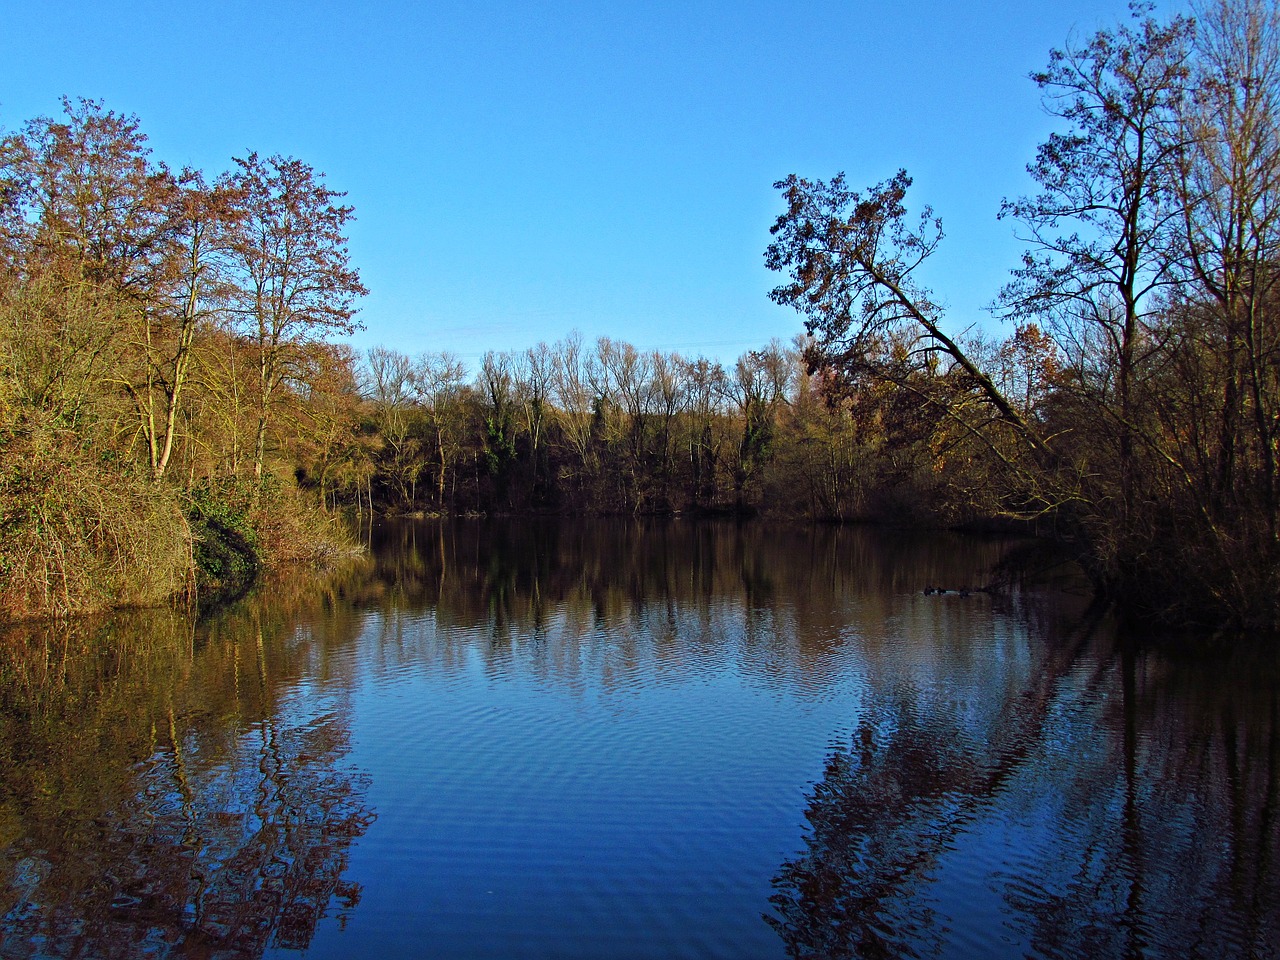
(204, 857)
(157, 797)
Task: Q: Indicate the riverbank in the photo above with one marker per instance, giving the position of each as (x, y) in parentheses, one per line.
(81, 534)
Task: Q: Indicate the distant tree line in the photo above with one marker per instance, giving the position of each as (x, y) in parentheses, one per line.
(608, 428)
(600, 427)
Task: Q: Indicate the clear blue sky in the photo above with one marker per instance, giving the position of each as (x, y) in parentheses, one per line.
(522, 169)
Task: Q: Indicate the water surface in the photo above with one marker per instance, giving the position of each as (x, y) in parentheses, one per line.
(637, 740)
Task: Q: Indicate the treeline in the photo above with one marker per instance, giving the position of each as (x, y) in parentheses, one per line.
(607, 428)
(163, 360)
(1137, 406)
(603, 428)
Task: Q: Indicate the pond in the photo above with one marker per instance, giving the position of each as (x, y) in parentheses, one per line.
(638, 739)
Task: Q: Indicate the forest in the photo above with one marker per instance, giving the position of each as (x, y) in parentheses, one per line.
(179, 407)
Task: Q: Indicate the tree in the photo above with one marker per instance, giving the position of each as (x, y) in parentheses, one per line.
(1147, 289)
(575, 403)
(669, 400)
(90, 220)
(193, 289)
(83, 199)
(389, 386)
(852, 260)
(1232, 233)
(823, 449)
(533, 371)
(762, 379)
(1110, 179)
(438, 380)
(297, 282)
(496, 385)
(706, 385)
(332, 443)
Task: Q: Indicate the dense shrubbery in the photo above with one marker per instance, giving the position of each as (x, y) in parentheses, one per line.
(82, 531)
(226, 546)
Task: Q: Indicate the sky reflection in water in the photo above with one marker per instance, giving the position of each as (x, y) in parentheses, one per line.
(637, 740)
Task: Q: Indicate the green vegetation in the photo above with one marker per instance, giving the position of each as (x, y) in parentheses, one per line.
(175, 414)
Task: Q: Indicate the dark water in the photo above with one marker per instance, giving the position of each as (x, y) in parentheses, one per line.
(623, 740)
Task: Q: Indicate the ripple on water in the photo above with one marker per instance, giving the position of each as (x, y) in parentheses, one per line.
(593, 744)
(656, 790)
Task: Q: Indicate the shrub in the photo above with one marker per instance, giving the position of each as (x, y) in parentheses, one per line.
(225, 544)
(80, 531)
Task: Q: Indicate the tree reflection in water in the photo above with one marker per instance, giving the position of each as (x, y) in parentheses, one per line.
(1125, 804)
(171, 794)
(1000, 780)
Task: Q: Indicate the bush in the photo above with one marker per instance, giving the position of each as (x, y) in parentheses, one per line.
(241, 527)
(226, 553)
(291, 529)
(81, 532)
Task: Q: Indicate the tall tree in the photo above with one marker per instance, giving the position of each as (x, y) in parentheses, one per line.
(705, 387)
(1232, 221)
(533, 370)
(497, 387)
(297, 281)
(194, 288)
(575, 403)
(762, 379)
(82, 198)
(438, 381)
(333, 446)
(389, 386)
(90, 221)
(670, 399)
(1110, 180)
(852, 259)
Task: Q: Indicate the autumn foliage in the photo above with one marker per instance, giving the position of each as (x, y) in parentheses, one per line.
(157, 332)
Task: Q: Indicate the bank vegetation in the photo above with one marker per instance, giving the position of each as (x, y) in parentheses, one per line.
(161, 339)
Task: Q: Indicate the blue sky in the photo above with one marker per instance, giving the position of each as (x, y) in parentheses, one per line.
(523, 169)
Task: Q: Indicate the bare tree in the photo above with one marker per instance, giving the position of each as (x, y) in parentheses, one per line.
(761, 382)
(573, 398)
(852, 259)
(496, 385)
(705, 387)
(297, 282)
(438, 380)
(389, 386)
(1232, 224)
(534, 369)
(1101, 230)
(194, 292)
